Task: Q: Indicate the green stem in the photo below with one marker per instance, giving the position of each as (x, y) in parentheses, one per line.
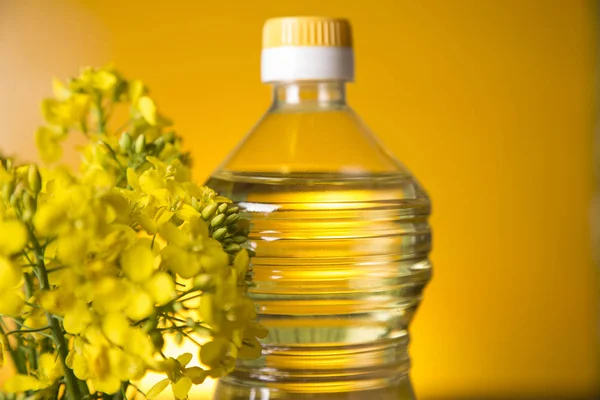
(27, 330)
(113, 154)
(121, 394)
(74, 391)
(23, 326)
(110, 107)
(191, 339)
(175, 328)
(101, 120)
(32, 354)
(14, 354)
(192, 298)
(138, 390)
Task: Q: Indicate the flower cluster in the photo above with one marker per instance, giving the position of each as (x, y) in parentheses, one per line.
(96, 268)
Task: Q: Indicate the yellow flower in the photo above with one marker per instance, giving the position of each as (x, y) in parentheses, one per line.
(65, 113)
(190, 251)
(180, 262)
(101, 374)
(138, 263)
(136, 89)
(150, 181)
(36, 319)
(187, 213)
(10, 274)
(50, 219)
(116, 238)
(12, 303)
(95, 79)
(147, 109)
(13, 237)
(59, 90)
(49, 370)
(140, 344)
(140, 305)
(125, 366)
(213, 353)
(116, 328)
(56, 301)
(157, 389)
(179, 377)
(94, 359)
(182, 387)
(250, 349)
(77, 318)
(110, 295)
(146, 223)
(72, 248)
(21, 383)
(99, 177)
(241, 263)
(78, 363)
(161, 287)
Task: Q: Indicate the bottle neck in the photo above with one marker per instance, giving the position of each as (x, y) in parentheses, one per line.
(310, 94)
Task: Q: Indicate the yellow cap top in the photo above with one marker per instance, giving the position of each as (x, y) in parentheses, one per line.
(307, 31)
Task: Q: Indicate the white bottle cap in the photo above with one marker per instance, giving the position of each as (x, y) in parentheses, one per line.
(307, 48)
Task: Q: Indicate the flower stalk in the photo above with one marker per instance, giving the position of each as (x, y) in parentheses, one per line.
(73, 389)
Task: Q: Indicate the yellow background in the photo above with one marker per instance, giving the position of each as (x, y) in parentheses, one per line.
(491, 104)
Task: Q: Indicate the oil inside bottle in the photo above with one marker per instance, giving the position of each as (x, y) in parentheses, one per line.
(341, 261)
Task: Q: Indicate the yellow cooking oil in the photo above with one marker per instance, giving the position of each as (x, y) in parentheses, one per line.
(338, 227)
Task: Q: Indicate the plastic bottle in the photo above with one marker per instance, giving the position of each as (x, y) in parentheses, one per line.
(339, 227)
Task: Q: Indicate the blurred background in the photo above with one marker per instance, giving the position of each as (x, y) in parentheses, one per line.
(491, 104)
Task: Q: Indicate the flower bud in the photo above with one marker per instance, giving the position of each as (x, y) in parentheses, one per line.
(239, 239)
(16, 196)
(222, 208)
(29, 206)
(159, 144)
(232, 248)
(140, 144)
(157, 340)
(34, 179)
(217, 221)
(220, 233)
(169, 137)
(7, 190)
(151, 324)
(232, 219)
(233, 210)
(125, 143)
(209, 211)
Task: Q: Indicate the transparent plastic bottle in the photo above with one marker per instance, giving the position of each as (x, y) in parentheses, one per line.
(339, 227)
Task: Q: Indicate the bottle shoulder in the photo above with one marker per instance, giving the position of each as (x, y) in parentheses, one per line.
(325, 141)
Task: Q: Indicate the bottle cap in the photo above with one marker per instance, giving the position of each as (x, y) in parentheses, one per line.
(307, 48)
